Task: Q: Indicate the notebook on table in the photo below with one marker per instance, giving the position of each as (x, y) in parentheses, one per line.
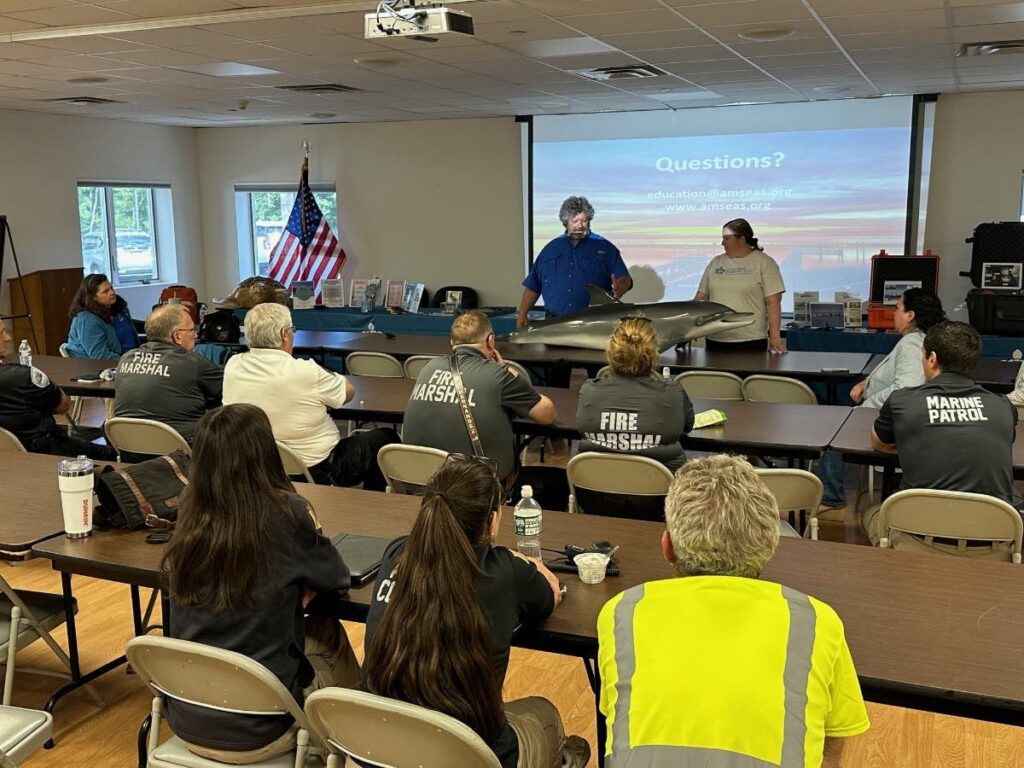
(362, 555)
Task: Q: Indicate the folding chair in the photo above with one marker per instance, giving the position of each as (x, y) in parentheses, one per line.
(22, 732)
(386, 732)
(25, 617)
(777, 389)
(711, 385)
(10, 442)
(373, 364)
(75, 413)
(143, 436)
(293, 465)
(618, 485)
(407, 468)
(413, 365)
(796, 492)
(912, 520)
(218, 680)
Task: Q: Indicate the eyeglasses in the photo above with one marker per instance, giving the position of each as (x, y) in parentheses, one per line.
(193, 330)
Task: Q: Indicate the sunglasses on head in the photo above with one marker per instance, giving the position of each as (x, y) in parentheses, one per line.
(485, 461)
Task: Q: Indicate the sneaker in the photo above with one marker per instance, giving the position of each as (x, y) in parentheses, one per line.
(575, 752)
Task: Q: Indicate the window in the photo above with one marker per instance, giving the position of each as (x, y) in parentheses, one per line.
(262, 214)
(120, 230)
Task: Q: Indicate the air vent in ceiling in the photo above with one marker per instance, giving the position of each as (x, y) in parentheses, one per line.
(320, 88)
(621, 73)
(990, 48)
(83, 100)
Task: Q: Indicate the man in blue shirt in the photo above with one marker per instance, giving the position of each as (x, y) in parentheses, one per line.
(569, 262)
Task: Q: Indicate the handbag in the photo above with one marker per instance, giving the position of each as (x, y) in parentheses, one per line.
(143, 495)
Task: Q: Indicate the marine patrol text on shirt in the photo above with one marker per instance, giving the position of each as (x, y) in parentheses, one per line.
(952, 410)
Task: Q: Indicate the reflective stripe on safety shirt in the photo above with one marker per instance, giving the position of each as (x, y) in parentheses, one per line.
(723, 672)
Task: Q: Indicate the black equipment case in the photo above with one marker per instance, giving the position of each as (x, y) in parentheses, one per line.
(994, 310)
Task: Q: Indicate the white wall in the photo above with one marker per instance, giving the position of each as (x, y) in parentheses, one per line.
(42, 158)
(438, 202)
(977, 160)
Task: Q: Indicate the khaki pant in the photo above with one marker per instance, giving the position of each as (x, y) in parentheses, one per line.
(538, 727)
(334, 664)
(907, 542)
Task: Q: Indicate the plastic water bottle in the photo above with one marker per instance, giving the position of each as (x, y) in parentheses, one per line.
(528, 522)
(24, 353)
(666, 374)
(371, 328)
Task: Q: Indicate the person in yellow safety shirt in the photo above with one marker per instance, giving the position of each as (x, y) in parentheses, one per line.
(718, 668)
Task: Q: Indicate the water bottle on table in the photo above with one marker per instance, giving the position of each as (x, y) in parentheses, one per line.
(24, 353)
(527, 518)
(75, 479)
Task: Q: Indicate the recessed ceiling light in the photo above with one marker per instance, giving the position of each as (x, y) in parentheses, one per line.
(517, 31)
(226, 69)
(323, 115)
(766, 34)
(88, 80)
(377, 61)
(833, 89)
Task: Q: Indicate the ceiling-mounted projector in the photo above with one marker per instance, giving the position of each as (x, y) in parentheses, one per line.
(400, 18)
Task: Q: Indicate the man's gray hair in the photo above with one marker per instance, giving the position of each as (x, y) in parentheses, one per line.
(722, 519)
(573, 206)
(164, 321)
(264, 324)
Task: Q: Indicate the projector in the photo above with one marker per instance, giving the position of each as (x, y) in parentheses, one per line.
(416, 21)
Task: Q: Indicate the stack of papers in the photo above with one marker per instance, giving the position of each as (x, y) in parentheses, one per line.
(709, 418)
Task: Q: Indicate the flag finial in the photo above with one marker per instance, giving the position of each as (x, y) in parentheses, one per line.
(305, 147)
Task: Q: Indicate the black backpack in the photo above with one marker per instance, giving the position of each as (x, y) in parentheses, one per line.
(220, 327)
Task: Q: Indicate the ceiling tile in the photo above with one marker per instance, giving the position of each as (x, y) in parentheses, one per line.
(906, 38)
(624, 23)
(8, 24)
(560, 47)
(690, 53)
(988, 14)
(161, 57)
(157, 8)
(1011, 31)
(69, 16)
(515, 32)
(272, 29)
(748, 12)
(645, 41)
(827, 8)
(884, 22)
(94, 44)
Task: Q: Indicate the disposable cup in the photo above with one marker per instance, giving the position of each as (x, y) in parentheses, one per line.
(591, 567)
(75, 479)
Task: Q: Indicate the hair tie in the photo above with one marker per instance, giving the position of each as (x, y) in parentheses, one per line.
(431, 493)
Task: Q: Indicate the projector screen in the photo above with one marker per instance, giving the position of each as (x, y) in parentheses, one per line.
(824, 186)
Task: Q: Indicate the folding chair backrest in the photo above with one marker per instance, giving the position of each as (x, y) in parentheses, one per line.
(386, 732)
(406, 468)
(711, 385)
(618, 485)
(293, 465)
(966, 517)
(413, 365)
(376, 364)
(10, 442)
(63, 349)
(795, 491)
(210, 677)
(777, 389)
(143, 436)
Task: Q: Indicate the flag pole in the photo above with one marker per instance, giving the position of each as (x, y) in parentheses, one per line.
(303, 187)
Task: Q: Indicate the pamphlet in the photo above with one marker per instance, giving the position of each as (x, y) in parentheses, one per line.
(709, 418)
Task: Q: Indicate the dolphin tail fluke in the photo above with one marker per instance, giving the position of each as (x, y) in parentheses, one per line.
(599, 296)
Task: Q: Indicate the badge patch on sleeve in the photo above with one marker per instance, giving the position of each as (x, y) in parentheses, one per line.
(39, 378)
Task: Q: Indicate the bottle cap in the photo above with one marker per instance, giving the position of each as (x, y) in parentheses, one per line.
(527, 491)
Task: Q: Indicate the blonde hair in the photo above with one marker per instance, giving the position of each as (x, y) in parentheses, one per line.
(471, 327)
(721, 518)
(633, 347)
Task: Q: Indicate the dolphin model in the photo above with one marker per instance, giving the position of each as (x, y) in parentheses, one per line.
(675, 322)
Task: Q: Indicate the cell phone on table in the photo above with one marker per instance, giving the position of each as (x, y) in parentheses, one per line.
(89, 378)
(161, 537)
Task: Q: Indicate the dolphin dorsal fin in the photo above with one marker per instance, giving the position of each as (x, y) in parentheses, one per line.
(599, 296)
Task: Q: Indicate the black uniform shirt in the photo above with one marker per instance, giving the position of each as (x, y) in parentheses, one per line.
(271, 632)
(511, 592)
(646, 416)
(434, 419)
(27, 400)
(952, 435)
(168, 384)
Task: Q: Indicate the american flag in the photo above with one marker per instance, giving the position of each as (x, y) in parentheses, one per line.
(307, 250)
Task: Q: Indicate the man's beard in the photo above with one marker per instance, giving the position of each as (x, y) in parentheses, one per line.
(579, 235)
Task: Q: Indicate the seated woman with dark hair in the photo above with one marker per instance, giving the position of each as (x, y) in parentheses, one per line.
(246, 558)
(631, 409)
(443, 612)
(101, 326)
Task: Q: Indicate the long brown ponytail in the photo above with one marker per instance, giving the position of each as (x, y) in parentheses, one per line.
(433, 644)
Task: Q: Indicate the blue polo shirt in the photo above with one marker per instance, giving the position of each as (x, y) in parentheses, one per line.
(562, 271)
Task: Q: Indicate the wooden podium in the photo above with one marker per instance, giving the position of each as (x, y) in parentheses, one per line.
(49, 294)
